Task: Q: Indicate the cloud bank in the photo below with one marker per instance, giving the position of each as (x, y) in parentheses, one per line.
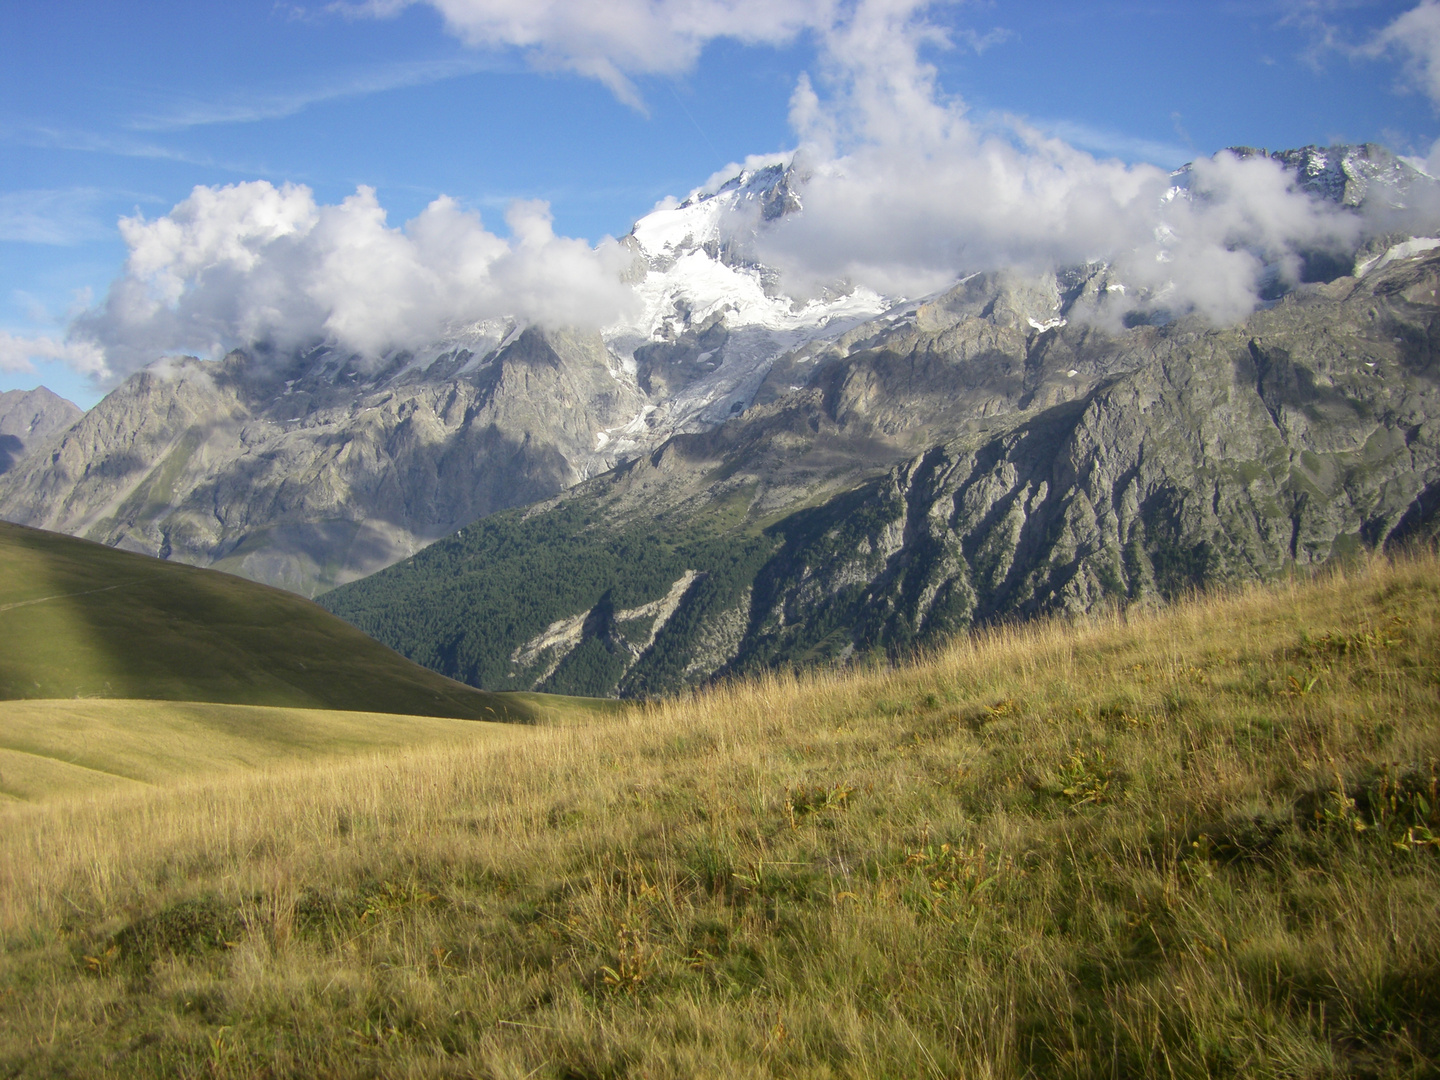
(903, 192)
(906, 192)
(253, 262)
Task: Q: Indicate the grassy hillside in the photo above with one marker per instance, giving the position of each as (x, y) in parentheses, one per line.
(79, 619)
(54, 749)
(1198, 843)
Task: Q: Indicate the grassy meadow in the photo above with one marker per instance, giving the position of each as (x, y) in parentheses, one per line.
(79, 619)
(1200, 842)
(57, 749)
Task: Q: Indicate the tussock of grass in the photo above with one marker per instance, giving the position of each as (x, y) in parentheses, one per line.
(1198, 843)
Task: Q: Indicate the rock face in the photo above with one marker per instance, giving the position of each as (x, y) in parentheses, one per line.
(945, 467)
(313, 469)
(317, 471)
(1351, 176)
(27, 418)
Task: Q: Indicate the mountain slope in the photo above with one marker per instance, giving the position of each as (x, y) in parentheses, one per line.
(51, 749)
(78, 619)
(1195, 844)
(951, 466)
(27, 418)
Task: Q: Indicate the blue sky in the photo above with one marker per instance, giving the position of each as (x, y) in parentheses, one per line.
(109, 110)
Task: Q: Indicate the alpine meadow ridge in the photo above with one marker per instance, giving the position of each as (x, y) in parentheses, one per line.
(1190, 843)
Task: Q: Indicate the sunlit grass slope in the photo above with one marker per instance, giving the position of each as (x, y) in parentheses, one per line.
(78, 619)
(1194, 844)
(53, 749)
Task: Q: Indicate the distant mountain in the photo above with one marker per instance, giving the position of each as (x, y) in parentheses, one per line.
(27, 417)
(955, 462)
(1353, 176)
(78, 619)
(314, 468)
(311, 469)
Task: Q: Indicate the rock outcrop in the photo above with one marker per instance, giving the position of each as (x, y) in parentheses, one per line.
(953, 465)
(314, 470)
(27, 418)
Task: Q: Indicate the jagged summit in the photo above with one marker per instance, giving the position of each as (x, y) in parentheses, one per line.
(713, 318)
(1358, 176)
(694, 264)
(312, 467)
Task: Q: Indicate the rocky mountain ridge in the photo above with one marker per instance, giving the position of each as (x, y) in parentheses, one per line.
(314, 468)
(947, 467)
(27, 418)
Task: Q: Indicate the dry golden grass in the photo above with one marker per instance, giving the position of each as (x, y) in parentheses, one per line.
(1195, 843)
(57, 749)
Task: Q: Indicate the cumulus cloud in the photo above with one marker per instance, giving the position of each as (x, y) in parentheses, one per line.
(1415, 37)
(251, 261)
(905, 191)
(18, 354)
(614, 40)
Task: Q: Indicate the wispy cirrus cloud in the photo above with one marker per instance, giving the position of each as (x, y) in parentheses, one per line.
(53, 138)
(252, 107)
(58, 216)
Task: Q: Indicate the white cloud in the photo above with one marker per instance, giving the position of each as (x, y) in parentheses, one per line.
(905, 192)
(1415, 36)
(251, 261)
(19, 353)
(614, 40)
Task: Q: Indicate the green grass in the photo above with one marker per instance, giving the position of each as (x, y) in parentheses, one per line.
(58, 749)
(1203, 842)
(78, 619)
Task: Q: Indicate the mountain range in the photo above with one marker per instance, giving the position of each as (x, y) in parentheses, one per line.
(734, 478)
(948, 466)
(314, 467)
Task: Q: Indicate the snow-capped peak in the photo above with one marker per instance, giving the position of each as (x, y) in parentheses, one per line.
(695, 271)
(714, 210)
(696, 262)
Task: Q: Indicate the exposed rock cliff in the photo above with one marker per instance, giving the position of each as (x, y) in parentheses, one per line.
(27, 418)
(317, 471)
(949, 466)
